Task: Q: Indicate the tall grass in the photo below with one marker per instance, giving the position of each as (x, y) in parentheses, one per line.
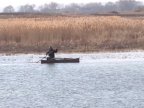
(87, 33)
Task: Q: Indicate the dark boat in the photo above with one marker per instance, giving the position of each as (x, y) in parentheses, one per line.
(61, 60)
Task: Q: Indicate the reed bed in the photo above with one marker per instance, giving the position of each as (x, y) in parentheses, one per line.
(85, 33)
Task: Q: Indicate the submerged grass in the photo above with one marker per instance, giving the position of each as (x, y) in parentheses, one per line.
(85, 33)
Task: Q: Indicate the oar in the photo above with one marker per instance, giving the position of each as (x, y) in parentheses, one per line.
(41, 59)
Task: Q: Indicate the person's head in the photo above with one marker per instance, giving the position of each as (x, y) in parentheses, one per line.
(50, 47)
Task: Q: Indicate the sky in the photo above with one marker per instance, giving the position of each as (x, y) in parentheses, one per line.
(17, 3)
(40, 2)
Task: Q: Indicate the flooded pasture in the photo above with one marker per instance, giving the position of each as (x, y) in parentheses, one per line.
(100, 80)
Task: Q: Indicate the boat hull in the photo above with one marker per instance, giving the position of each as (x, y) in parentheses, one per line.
(61, 60)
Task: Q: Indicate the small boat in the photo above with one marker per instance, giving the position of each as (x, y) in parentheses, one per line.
(61, 60)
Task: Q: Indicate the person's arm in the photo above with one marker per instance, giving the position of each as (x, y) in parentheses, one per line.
(56, 50)
(47, 52)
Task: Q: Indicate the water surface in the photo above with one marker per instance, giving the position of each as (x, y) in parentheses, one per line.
(100, 80)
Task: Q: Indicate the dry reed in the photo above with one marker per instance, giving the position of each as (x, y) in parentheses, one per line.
(87, 33)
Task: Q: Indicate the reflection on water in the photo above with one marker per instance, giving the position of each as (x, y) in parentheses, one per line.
(101, 80)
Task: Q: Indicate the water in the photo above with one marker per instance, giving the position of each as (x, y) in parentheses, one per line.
(100, 80)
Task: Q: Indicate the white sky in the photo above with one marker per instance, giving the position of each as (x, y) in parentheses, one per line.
(4, 3)
(16, 3)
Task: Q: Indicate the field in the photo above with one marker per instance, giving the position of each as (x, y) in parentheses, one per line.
(71, 33)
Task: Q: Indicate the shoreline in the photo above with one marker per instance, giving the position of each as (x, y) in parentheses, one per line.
(71, 35)
(68, 52)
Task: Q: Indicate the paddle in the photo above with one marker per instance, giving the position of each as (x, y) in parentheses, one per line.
(41, 59)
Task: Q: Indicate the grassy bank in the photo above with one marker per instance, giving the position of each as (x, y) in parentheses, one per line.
(78, 34)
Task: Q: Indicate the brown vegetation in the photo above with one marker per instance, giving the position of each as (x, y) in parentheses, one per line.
(85, 33)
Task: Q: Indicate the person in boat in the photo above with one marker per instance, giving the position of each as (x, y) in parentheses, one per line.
(51, 53)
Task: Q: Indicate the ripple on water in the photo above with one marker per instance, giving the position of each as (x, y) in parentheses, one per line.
(101, 80)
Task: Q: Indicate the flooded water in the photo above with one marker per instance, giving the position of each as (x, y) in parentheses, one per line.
(100, 80)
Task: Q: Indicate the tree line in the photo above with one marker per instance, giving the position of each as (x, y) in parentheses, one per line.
(53, 7)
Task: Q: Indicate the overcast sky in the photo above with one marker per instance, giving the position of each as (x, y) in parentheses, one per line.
(17, 3)
(40, 2)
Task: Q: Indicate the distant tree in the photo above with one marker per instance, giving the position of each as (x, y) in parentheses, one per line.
(53, 6)
(48, 8)
(74, 8)
(110, 6)
(93, 8)
(128, 5)
(8, 9)
(44, 8)
(27, 8)
(139, 9)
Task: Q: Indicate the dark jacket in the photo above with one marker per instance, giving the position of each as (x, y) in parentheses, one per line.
(51, 52)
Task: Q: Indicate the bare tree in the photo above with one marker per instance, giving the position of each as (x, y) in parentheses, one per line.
(8, 9)
(27, 8)
(44, 8)
(93, 8)
(53, 6)
(74, 8)
(128, 5)
(110, 6)
(49, 8)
